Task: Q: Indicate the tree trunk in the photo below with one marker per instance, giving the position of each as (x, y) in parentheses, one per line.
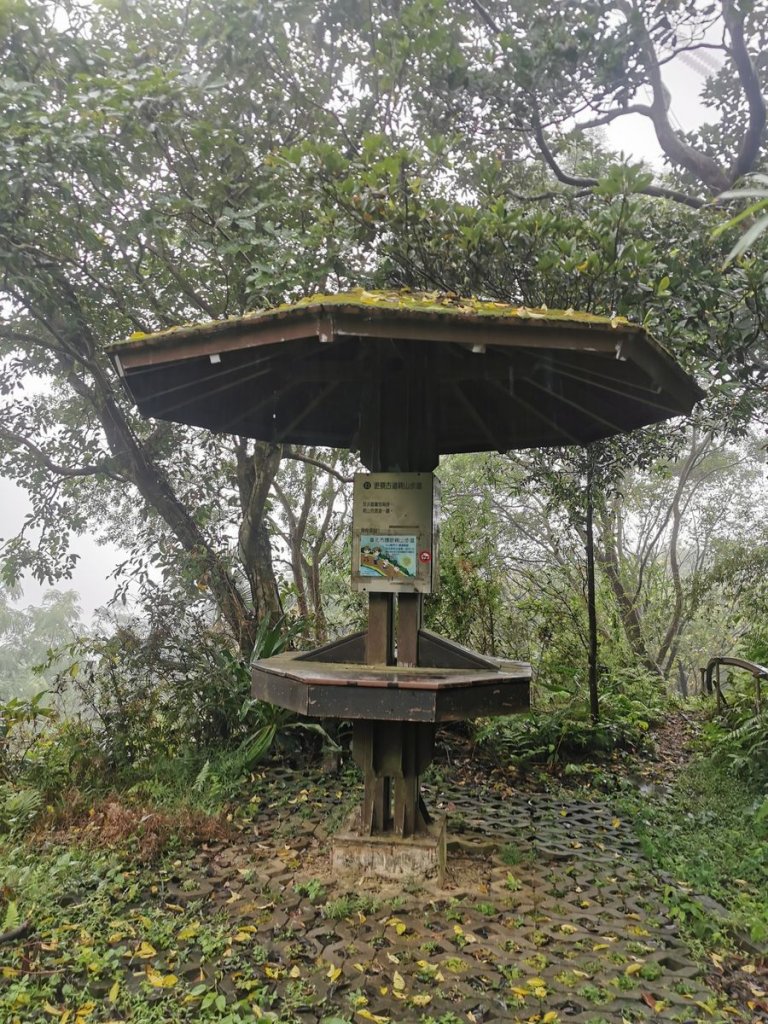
(594, 699)
(629, 614)
(256, 471)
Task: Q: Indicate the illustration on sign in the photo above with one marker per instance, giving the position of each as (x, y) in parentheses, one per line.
(391, 556)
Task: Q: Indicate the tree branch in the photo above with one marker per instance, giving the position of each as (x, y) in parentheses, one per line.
(703, 167)
(569, 179)
(290, 453)
(97, 469)
(750, 81)
(612, 115)
(486, 17)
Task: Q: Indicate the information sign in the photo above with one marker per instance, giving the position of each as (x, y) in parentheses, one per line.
(394, 532)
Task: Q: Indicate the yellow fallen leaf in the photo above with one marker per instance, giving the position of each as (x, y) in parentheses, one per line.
(600, 945)
(377, 1018)
(633, 968)
(158, 980)
(400, 926)
(535, 982)
(146, 950)
(52, 1010)
(334, 973)
(294, 972)
(114, 992)
(398, 981)
(422, 999)
(272, 972)
(748, 968)
(549, 1018)
(615, 823)
(522, 992)
(359, 967)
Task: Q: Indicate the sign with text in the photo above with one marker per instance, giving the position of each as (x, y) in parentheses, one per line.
(394, 532)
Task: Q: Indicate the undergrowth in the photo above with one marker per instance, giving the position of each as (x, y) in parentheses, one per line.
(559, 728)
(710, 833)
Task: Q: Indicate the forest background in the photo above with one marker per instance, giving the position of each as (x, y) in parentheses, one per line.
(172, 162)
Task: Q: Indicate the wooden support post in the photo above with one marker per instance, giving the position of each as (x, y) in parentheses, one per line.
(380, 647)
(392, 755)
(408, 624)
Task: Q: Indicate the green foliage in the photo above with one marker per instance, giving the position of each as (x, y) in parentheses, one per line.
(18, 808)
(21, 725)
(166, 715)
(29, 635)
(738, 738)
(756, 190)
(349, 905)
(709, 833)
(560, 729)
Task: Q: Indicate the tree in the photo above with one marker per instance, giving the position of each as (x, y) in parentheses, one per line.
(531, 80)
(174, 162)
(313, 519)
(29, 635)
(138, 191)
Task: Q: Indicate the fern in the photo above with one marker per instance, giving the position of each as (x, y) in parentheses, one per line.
(19, 809)
(11, 918)
(201, 778)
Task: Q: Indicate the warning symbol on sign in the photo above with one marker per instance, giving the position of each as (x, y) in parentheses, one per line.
(425, 556)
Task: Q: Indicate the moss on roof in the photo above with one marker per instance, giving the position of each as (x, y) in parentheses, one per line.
(401, 301)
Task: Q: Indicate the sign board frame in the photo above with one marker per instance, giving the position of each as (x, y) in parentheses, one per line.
(395, 533)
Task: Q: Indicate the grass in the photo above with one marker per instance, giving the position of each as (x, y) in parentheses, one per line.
(105, 938)
(707, 836)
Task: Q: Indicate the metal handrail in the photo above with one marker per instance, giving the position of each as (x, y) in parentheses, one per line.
(758, 671)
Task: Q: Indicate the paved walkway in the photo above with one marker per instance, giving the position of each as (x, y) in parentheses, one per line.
(548, 914)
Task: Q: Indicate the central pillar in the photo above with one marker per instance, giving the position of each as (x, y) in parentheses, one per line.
(393, 754)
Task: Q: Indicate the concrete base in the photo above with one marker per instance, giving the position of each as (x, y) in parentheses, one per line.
(420, 856)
